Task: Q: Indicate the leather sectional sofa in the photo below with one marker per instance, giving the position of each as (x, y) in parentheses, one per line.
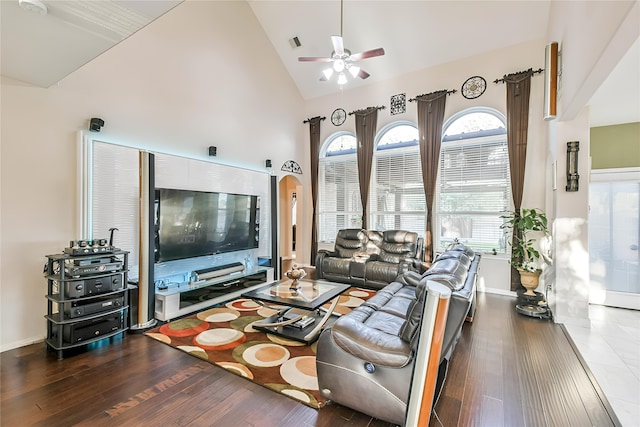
(370, 258)
(365, 360)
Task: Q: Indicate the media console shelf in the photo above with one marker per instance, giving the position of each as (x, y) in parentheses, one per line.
(87, 298)
(178, 299)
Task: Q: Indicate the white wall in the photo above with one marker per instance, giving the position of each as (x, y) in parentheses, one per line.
(593, 37)
(187, 81)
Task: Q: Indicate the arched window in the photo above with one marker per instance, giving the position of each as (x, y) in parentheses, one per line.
(474, 187)
(396, 191)
(338, 187)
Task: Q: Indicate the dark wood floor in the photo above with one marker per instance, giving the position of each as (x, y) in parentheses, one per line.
(507, 370)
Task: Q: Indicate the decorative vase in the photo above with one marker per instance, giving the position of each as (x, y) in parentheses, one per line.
(529, 280)
(295, 274)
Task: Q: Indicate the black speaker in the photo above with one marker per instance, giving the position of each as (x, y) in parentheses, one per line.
(267, 163)
(213, 151)
(95, 124)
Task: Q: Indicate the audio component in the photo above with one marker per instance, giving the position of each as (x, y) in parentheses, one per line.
(83, 267)
(80, 308)
(222, 270)
(93, 286)
(88, 329)
(88, 247)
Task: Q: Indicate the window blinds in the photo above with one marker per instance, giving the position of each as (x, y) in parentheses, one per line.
(472, 192)
(396, 193)
(339, 203)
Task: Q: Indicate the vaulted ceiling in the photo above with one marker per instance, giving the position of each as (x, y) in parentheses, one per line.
(41, 49)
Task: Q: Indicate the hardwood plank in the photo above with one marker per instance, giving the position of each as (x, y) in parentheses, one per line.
(507, 370)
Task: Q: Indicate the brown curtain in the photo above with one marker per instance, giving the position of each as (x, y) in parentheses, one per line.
(314, 137)
(430, 118)
(366, 123)
(518, 91)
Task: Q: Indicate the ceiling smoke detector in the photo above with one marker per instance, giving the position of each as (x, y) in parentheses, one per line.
(35, 6)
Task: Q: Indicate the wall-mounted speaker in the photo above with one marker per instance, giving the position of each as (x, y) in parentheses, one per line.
(550, 80)
(95, 124)
(213, 151)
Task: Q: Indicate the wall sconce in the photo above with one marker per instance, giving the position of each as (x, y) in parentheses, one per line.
(572, 165)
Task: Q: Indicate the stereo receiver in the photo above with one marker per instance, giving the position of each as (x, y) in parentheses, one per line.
(83, 267)
(80, 308)
(93, 286)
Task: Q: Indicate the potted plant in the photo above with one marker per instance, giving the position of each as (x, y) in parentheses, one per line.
(525, 257)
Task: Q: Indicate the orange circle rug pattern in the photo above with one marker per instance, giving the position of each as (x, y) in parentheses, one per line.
(224, 335)
(184, 327)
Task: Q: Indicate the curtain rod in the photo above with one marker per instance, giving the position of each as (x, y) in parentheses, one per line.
(538, 71)
(308, 120)
(449, 92)
(381, 107)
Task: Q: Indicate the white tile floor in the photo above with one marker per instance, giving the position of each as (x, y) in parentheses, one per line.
(611, 349)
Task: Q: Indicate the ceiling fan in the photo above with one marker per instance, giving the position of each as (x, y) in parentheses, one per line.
(342, 59)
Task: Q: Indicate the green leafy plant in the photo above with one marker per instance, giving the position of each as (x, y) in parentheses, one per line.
(521, 225)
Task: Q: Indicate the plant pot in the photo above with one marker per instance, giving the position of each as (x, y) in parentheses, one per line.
(530, 281)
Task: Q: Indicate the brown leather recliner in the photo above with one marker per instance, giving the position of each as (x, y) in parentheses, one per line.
(397, 251)
(336, 265)
(370, 258)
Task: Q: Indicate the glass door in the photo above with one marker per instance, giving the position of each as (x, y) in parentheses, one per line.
(614, 237)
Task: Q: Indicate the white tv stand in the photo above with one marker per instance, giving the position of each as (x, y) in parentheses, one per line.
(179, 299)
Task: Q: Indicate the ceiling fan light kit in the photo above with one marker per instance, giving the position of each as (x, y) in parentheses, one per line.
(35, 6)
(342, 58)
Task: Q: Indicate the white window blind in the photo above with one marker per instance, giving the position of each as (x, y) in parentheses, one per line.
(396, 192)
(473, 190)
(115, 196)
(339, 204)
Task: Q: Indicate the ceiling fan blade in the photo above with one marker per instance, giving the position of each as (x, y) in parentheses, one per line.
(314, 59)
(338, 46)
(367, 54)
(363, 74)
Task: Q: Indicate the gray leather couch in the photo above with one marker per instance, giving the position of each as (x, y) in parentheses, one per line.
(370, 258)
(366, 359)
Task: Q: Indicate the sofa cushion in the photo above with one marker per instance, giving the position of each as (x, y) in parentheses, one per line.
(349, 241)
(414, 313)
(462, 257)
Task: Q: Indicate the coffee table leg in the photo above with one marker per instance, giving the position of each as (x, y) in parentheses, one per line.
(316, 330)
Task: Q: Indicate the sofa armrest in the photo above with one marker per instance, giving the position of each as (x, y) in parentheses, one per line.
(369, 344)
(320, 256)
(410, 278)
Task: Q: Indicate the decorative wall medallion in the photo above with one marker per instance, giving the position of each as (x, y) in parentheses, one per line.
(473, 87)
(338, 116)
(291, 166)
(398, 103)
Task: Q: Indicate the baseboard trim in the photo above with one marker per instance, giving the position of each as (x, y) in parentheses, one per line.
(21, 343)
(498, 292)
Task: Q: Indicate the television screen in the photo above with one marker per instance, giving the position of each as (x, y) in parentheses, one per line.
(196, 223)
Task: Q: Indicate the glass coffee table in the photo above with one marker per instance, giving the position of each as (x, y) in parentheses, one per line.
(300, 314)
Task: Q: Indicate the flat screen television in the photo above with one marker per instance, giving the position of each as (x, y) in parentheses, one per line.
(191, 223)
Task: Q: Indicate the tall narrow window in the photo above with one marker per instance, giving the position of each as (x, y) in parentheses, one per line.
(339, 203)
(473, 187)
(396, 195)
